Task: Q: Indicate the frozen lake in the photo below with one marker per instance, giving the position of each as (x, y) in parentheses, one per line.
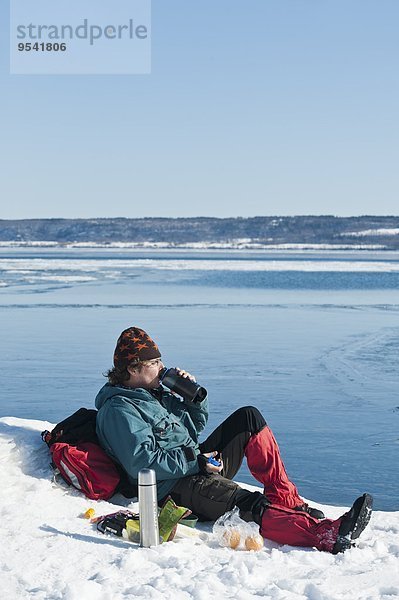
(309, 338)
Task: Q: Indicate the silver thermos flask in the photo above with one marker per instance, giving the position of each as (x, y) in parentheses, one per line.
(148, 508)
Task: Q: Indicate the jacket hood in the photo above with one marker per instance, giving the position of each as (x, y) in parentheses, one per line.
(109, 391)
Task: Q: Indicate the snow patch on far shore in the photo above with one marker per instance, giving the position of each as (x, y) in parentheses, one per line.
(371, 232)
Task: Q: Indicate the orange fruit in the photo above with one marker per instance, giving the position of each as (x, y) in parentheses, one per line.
(254, 542)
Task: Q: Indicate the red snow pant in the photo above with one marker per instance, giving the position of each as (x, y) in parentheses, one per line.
(279, 522)
(287, 526)
(265, 463)
(245, 433)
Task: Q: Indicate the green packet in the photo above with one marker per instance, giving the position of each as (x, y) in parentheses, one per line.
(169, 516)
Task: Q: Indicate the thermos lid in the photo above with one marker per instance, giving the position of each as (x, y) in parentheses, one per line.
(147, 477)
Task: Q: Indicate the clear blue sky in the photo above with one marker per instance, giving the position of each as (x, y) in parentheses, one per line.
(255, 107)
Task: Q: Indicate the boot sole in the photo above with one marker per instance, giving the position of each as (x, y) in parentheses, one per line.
(363, 517)
(344, 542)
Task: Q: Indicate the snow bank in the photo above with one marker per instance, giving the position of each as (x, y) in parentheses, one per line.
(49, 552)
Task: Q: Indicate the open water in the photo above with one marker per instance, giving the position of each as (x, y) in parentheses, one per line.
(310, 338)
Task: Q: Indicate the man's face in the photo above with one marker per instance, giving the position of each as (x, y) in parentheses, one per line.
(147, 376)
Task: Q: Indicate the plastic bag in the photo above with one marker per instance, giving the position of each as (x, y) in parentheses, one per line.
(232, 532)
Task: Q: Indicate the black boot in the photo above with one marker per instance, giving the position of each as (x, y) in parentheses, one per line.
(313, 512)
(353, 523)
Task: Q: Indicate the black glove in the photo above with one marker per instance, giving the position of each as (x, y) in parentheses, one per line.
(202, 462)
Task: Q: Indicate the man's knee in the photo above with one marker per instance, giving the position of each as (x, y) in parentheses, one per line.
(252, 417)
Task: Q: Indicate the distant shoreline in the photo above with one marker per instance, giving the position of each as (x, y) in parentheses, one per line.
(254, 233)
(233, 245)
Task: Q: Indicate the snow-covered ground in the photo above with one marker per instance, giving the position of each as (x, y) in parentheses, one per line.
(48, 551)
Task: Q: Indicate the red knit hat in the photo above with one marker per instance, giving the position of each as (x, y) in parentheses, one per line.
(134, 344)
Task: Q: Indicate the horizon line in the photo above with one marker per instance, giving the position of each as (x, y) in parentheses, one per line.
(275, 216)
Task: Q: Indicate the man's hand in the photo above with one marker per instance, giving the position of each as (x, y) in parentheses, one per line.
(210, 467)
(185, 374)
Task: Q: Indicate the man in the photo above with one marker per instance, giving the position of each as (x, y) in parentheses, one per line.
(141, 425)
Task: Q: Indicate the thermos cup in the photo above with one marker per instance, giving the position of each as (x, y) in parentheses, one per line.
(189, 390)
(148, 508)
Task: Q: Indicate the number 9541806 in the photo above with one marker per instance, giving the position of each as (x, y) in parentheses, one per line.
(42, 47)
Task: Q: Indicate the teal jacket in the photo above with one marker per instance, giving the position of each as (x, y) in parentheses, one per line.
(157, 430)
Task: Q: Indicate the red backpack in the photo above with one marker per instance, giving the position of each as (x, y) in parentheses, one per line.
(79, 459)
